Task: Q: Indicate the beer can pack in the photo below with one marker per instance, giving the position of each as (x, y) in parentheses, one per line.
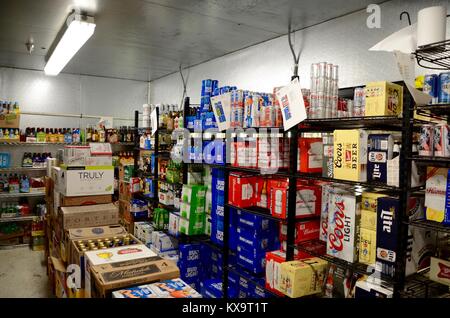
(359, 102)
(441, 139)
(426, 140)
(444, 87)
(431, 86)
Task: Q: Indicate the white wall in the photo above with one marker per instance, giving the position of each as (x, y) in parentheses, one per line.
(344, 41)
(73, 94)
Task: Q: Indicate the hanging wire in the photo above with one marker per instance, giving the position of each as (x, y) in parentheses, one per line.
(407, 14)
(184, 88)
(295, 56)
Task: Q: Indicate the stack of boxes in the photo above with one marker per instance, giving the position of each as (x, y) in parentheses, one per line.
(217, 206)
(192, 212)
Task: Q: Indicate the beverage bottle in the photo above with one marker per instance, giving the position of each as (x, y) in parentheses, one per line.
(68, 136)
(24, 184)
(5, 183)
(6, 133)
(1, 134)
(88, 135)
(61, 133)
(16, 108)
(47, 135)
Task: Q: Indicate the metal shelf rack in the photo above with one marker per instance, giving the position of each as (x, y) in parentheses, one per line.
(434, 56)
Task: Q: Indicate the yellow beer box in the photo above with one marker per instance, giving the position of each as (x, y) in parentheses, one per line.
(383, 99)
(350, 155)
(303, 277)
(367, 246)
(369, 200)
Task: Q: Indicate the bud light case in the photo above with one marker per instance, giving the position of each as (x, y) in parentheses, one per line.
(388, 218)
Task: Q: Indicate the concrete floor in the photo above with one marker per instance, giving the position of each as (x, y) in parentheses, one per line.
(23, 273)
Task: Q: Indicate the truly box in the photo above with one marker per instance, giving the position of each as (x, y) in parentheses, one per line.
(87, 180)
(383, 99)
(85, 200)
(303, 277)
(192, 226)
(380, 150)
(194, 194)
(436, 195)
(343, 225)
(440, 270)
(191, 210)
(388, 221)
(350, 155)
(89, 215)
(367, 246)
(241, 190)
(117, 255)
(74, 155)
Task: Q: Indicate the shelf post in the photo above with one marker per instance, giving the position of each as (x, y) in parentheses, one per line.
(292, 193)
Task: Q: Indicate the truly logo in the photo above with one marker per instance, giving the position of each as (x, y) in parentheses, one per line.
(92, 175)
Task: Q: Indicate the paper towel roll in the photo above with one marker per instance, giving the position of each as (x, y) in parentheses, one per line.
(431, 25)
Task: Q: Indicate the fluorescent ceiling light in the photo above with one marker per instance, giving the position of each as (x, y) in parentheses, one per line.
(79, 30)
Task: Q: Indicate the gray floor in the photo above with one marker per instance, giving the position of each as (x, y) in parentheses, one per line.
(23, 273)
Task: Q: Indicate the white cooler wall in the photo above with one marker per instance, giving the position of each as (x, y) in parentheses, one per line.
(74, 94)
(343, 41)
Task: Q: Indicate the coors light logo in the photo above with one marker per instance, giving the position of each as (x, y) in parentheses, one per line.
(340, 243)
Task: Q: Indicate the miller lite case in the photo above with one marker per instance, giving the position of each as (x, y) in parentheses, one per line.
(380, 150)
(343, 225)
(388, 220)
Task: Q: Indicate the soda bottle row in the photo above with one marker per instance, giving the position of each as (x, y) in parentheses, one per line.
(14, 183)
(7, 107)
(14, 209)
(10, 134)
(51, 135)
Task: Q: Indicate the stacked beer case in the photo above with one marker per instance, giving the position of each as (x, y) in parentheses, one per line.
(83, 227)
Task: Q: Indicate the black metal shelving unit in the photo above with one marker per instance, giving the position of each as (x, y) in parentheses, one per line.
(405, 124)
(434, 56)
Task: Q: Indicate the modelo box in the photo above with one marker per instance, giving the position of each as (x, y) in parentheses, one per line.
(86, 180)
(350, 155)
(303, 277)
(88, 216)
(343, 225)
(380, 150)
(124, 266)
(383, 99)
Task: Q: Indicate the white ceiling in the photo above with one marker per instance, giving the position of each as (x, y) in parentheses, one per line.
(147, 39)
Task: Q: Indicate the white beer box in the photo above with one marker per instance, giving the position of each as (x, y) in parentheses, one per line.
(343, 225)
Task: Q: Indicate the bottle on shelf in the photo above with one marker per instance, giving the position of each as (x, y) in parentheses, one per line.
(24, 184)
(68, 136)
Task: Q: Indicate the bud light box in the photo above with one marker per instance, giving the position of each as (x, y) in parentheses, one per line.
(380, 150)
(190, 252)
(343, 225)
(388, 218)
(189, 271)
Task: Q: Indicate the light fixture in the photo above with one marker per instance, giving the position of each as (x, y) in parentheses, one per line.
(79, 29)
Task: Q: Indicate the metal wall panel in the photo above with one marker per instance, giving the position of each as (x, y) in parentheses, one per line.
(70, 94)
(344, 41)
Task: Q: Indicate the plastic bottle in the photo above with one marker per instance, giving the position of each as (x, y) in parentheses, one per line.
(24, 184)
(68, 136)
(5, 183)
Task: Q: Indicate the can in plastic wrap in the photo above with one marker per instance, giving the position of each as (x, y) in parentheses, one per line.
(426, 140)
(441, 139)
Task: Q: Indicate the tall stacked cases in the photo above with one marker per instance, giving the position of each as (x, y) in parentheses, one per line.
(192, 221)
(218, 205)
(324, 90)
(343, 225)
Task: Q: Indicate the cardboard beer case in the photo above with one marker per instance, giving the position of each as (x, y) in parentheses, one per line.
(85, 200)
(383, 99)
(88, 216)
(440, 271)
(350, 155)
(119, 267)
(86, 180)
(380, 150)
(343, 225)
(436, 193)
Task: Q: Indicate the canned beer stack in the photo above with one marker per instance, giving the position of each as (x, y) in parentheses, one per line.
(438, 87)
(434, 140)
(324, 90)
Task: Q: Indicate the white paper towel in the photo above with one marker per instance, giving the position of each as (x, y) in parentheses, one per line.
(431, 25)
